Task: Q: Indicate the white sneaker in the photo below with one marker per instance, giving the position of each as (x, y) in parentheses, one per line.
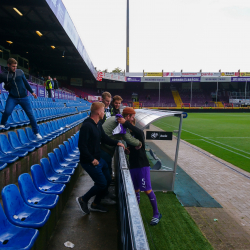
(38, 136)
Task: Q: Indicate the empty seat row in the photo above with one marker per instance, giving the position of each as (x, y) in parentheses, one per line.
(27, 210)
(46, 104)
(19, 145)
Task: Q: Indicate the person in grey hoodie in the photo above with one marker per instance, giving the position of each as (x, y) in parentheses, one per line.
(18, 86)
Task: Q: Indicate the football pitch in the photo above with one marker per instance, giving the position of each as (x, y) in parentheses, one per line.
(225, 135)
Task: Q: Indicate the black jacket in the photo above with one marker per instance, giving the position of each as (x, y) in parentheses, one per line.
(111, 111)
(19, 84)
(90, 138)
(137, 158)
(56, 84)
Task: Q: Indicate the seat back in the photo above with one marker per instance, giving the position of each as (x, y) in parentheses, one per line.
(59, 155)
(15, 117)
(4, 223)
(21, 116)
(64, 151)
(71, 144)
(4, 144)
(22, 136)
(48, 170)
(13, 139)
(68, 148)
(12, 201)
(53, 161)
(38, 176)
(31, 136)
(26, 186)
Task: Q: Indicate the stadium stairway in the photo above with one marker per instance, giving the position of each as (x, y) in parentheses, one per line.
(219, 104)
(177, 98)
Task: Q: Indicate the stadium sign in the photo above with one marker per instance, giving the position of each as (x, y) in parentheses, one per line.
(133, 79)
(215, 79)
(155, 79)
(188, 74)
(171, 74)
(156, 135)
(229, 74)
(244, 73)
(210, 74)
(185, 79)
(153, 74)
(240, 79)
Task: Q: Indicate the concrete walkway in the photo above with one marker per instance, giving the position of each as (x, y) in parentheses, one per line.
(230, 188)
(90, 232)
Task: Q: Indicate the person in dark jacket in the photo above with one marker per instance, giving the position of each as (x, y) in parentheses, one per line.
(108, 109)
(116, 103)
(15, 78)
(56, 85)
(140, 169)
(91, 135)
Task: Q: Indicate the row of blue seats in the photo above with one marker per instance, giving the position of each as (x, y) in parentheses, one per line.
(27, 210)
(20, 144)
(19, 118)
(47, 104)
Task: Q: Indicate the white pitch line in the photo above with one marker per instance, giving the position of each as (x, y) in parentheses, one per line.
(207, 138)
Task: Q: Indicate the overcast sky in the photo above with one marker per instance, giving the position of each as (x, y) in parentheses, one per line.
(167, 35)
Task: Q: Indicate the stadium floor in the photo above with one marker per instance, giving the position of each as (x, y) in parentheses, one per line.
(90, 232)
(225, 182)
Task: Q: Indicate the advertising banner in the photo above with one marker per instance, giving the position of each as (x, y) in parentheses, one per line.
(239, 101)
(190, 74)
(133, 79)
(34, 88)
(229, 74)
(76, 81)
(185, 79)
(63, 95)
(156, 135)
(215, 79)
(244, 73)
(41, 91)
(152, 73)
(59, 94)
(210, 74)
(240, 79)
(171, 73)
(155, 79)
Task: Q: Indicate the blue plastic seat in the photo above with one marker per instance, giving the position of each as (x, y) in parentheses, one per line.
(22, 118)
(16, 144)
(71, 143)
(42, 184)
(32, 196)
(66, 155)
(25, 141)
(16, 119)
(51, 175)
(62, 161)
(31, 136)
(6, 148)
(7, 158)
(3, 164)
(69, 149)
(20, 214)
(13, 237)
(57, 167)
(43, 134)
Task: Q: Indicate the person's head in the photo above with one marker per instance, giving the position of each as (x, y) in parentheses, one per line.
(54, 78)
(106, 99)
(129, 115)
(12, 64)
(97, 109)
(117, 100)
(49, 78)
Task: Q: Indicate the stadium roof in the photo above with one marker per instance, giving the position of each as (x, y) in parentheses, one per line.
(49, 17)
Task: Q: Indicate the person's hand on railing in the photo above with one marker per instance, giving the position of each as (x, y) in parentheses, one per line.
(121, 145)
(127, 151)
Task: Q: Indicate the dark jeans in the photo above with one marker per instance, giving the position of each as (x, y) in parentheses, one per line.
(49, 93)
(25, 104)
(100, 175)
(108, 158)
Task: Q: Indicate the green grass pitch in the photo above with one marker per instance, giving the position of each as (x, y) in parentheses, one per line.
(225, 135)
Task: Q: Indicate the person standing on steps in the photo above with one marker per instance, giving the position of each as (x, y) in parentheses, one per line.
(15, 82)
(90, 137)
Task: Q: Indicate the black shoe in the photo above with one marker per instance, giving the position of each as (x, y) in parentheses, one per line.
(98, 208)
(83, 205)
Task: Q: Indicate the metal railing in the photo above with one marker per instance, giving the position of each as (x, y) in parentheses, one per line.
(133, 236)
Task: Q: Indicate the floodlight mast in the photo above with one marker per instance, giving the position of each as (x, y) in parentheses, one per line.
(127, 38)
